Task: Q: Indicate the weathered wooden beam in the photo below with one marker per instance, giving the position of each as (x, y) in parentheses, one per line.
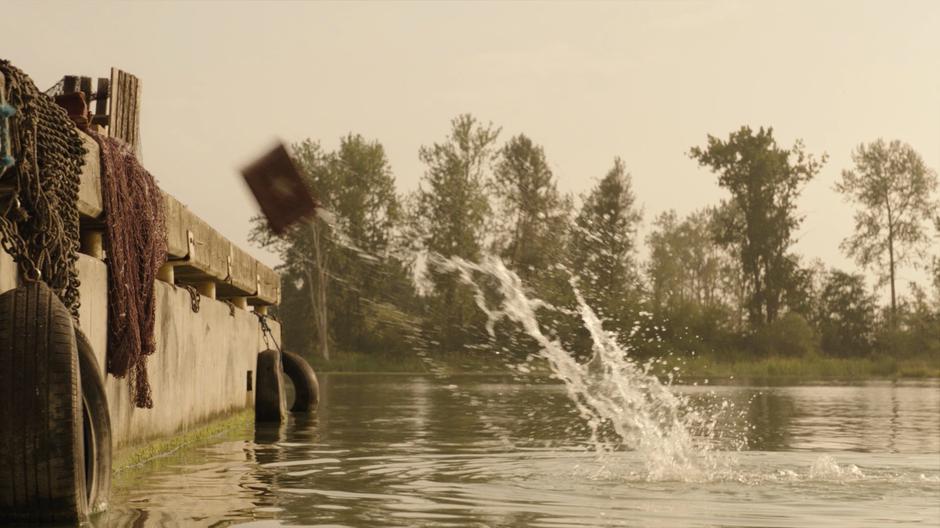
(70, 84)
(84, 85)
(102, 95)
(124, 108)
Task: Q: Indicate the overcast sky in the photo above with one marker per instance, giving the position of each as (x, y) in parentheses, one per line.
(640, 80)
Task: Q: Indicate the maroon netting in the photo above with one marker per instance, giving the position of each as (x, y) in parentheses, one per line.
(135, 245)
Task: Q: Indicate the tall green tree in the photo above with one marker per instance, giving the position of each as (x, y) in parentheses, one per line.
(765, 181)
(603, 247)
(532, 215)
(935, 264)
(330, 270)
(693, 282)
(450, 210)
(846, 315)
(367, 211)
(686, 265)
(893, 188)
(306, 252)
(366, 203)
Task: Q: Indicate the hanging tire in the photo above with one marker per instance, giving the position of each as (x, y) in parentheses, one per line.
(42, 446)
(96, 427)
(306, 386)
(269, 388)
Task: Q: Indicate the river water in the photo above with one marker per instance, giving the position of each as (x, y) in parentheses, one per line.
(403, 450)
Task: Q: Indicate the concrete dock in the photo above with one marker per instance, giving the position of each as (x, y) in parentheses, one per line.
(204, 363)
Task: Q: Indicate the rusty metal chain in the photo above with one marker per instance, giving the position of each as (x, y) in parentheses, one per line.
(266, 331)
(39, 224)
(194, 297)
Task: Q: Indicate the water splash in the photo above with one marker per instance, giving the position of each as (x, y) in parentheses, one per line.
(624, 405)
(826, 468)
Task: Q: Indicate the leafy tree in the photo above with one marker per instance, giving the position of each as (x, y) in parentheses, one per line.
(366, 203)
(533, 214)
(789, 335)
(305, 252)
(330, 271)
(452, 197)
(685, 264)
(765, 181)
(913, 329)
(367, 211)
(603, 247)
(893, 187)
(450, 210)
(693, 291)
(846, 315)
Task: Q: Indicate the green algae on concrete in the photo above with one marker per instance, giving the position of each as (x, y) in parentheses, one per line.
(140, 454)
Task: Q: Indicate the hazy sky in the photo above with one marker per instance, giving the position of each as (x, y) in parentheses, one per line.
(640, 80)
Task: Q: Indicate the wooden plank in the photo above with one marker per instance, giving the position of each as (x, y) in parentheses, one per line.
(126, 115)
(102, 93)
(134, 125)
(69, 84)
(125, 110)
(114, 108)
(85, 87)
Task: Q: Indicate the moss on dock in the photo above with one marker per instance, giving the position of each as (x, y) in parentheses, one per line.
(142, 453)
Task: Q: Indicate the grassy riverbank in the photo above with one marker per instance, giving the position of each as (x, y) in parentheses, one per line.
(812, 368)
(808, 368)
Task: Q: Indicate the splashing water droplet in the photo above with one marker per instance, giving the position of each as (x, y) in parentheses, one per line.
(624, 405)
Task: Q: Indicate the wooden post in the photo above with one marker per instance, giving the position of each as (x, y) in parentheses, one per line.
(124, 109)
(261, 309)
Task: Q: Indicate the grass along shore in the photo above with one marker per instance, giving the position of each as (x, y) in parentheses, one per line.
(810, 368)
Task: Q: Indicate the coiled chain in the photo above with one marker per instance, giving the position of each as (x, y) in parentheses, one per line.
(39, 222)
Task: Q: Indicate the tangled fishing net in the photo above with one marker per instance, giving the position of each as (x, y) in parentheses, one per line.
(39, 214)
(39, 222)
(135, 224)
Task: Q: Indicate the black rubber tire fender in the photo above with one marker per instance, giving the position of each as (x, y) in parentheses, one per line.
(97, 427)
(269, 388)
(306, 386)
(42, 466)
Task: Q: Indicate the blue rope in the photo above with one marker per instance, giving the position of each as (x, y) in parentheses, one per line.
(6, 158)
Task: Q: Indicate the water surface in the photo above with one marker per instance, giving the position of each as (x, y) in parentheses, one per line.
(399, 450)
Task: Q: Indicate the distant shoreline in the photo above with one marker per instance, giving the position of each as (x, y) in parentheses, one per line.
(691, 370)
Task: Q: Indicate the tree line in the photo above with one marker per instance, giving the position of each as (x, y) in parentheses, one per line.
(723, 280)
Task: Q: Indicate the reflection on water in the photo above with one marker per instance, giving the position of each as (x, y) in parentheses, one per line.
(476, 451)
